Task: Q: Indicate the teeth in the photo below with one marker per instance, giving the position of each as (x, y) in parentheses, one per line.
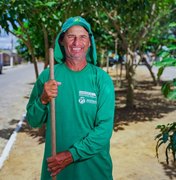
(76, 49)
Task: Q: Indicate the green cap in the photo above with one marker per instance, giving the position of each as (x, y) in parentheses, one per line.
(59, 52)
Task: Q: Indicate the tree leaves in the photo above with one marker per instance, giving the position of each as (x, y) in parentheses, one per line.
(167, 136)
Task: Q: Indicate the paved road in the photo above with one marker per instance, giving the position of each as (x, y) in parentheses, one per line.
(15, 86)
(169, 73)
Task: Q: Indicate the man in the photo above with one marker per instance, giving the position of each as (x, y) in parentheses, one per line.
(84, 100)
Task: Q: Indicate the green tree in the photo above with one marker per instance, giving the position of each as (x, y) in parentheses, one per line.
(132, 22)
(13, 20)
(37, 22)
(33, 23)
(167, 133)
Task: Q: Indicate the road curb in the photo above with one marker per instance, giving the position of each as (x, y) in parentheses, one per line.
(10, 142)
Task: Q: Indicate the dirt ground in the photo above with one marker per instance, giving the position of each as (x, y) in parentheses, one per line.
(132, 143)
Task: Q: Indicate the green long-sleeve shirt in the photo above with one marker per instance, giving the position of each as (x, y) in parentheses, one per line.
(84, 121)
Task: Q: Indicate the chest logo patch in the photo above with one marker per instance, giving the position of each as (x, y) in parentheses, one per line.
(87, 97)
(82, 100)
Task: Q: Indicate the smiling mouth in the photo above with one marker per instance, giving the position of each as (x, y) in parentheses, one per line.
(76, 49)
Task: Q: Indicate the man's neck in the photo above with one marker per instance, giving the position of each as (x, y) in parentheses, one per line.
(76, 65)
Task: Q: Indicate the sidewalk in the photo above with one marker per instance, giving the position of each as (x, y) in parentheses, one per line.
(24, 162)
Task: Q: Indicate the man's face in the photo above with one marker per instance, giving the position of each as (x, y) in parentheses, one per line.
(76, 43)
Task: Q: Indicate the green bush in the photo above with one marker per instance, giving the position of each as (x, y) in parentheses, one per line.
(167, 136)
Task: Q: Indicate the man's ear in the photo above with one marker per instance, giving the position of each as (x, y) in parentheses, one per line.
(61, 38)
(61, 42)
(89, 43)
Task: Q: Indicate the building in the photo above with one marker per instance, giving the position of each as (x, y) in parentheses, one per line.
(9, 59)
(8, 55)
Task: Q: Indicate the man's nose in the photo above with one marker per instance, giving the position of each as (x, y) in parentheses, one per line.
(76, 41)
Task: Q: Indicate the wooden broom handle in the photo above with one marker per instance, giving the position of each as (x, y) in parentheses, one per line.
(52, 107)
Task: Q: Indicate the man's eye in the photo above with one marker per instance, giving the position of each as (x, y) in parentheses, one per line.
(70, 36)
(84, 37)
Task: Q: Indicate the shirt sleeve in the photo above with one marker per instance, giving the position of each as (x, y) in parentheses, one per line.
(99, 137)
(36, 111)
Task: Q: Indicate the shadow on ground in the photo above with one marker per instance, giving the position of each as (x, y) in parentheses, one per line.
(33, 132)
(149, 105)
(170, 170)
(6, 133)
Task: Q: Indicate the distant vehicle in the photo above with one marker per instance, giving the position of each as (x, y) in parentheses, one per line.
(112, 61)
(113, 58)
(1, 66)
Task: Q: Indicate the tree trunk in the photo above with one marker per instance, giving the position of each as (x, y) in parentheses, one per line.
(31, 50)
(107, 64)
(45, 34)
(46, 56)
(130, 79)
(121, 70)
(130, 86)
(149, 67)
(35, 65)
(102, 58)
